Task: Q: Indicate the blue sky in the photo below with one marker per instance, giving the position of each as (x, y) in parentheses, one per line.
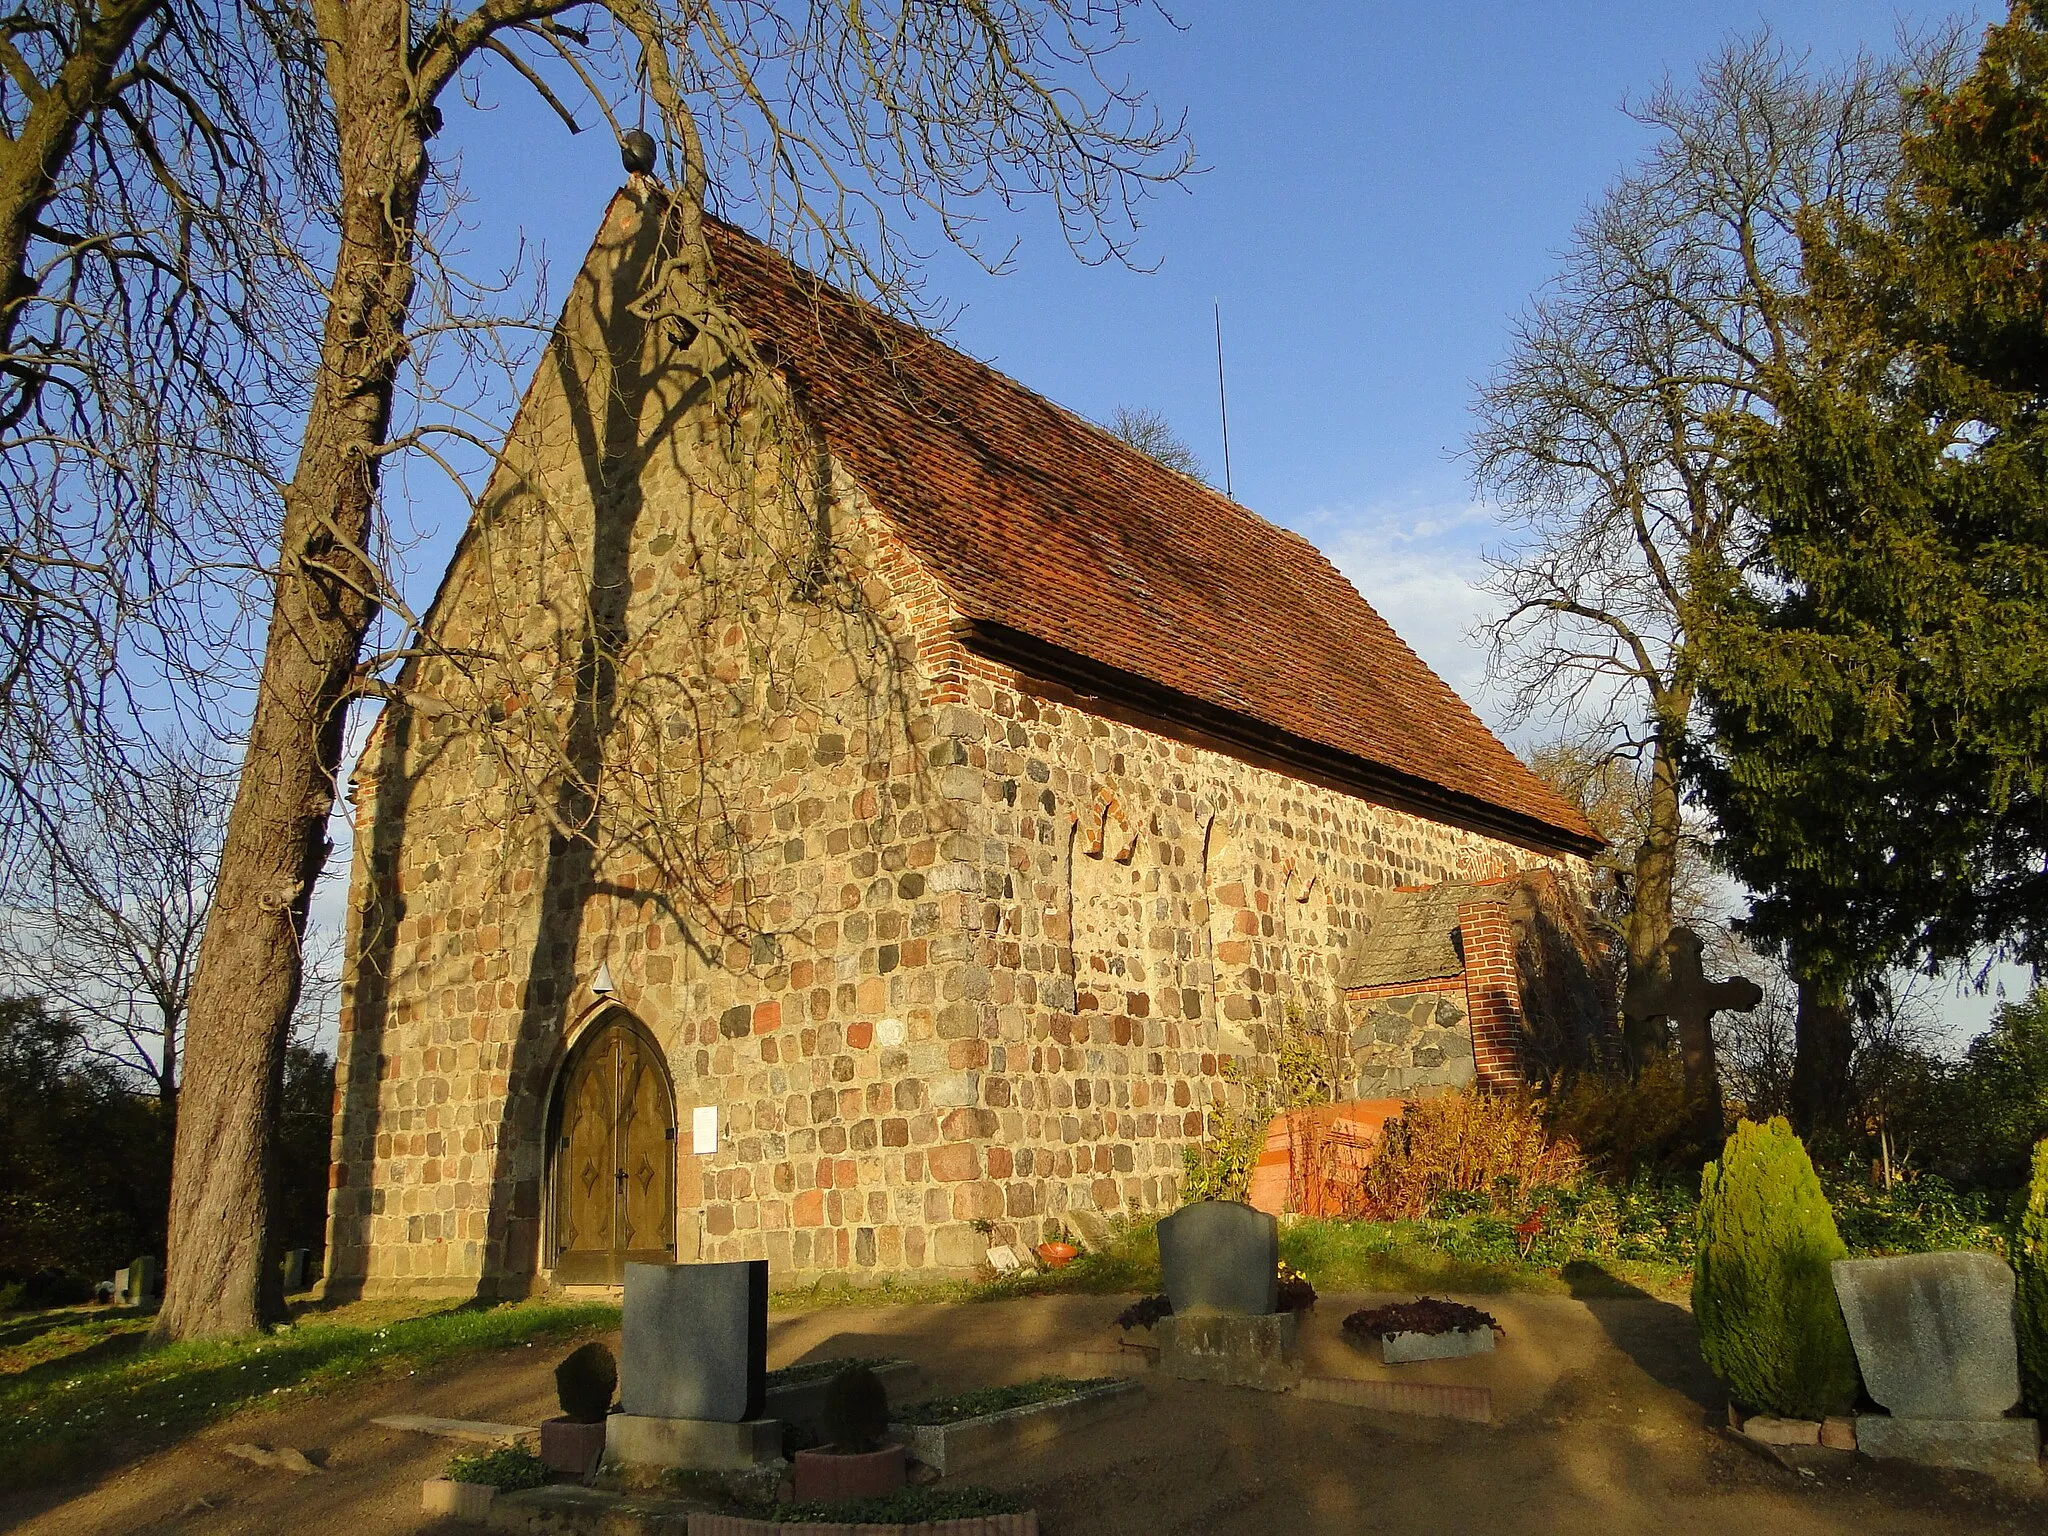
(1384, 186)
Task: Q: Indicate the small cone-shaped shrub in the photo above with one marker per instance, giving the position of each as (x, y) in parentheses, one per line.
(584, 1383)
(855, 1413)
(2030, 1259)
(1762, 1294)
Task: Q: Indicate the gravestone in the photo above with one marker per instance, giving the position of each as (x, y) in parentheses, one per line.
(1934, 1332)
(121, 1288)
(1936, 1342)
(1091, 1229)
(295, 1269)
(145, 1282)
(694, 1341)
(1221, 1256)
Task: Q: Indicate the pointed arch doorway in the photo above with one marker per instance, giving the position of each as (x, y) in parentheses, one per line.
(613, 1173)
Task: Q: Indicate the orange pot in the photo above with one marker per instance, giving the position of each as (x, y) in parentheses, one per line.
(1056, 1255)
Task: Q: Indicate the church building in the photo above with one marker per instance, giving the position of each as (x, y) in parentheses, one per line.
(843, 809)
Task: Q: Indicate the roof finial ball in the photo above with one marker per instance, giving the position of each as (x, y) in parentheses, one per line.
(636, 151)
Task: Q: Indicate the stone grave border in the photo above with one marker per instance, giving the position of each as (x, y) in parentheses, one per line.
(563, 1509)
(970, 1443)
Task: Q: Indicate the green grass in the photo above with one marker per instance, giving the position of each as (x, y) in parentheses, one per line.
(1452, 1256)
(976, 1405)
(108, 1390)
(1476, 1253)
(1129, 1263)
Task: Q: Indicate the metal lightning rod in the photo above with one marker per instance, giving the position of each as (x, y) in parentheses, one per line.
(1222, 401)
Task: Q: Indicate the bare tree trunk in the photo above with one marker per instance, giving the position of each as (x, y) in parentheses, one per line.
(219, 1276)
(1651, 891)
(30, 161)
(1825, 1041)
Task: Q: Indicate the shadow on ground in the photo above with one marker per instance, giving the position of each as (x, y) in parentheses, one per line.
(1658, 1335)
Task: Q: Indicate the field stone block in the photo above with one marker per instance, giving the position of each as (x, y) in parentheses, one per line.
(694, 1341)
(1230, 1348)
(1933, 1332)
(1978, 1445)
(1222, 1256)
(1766, 1430)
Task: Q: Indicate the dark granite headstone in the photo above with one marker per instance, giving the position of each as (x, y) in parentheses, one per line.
(694, 1341)
(1221, 1256)
(295, 1269)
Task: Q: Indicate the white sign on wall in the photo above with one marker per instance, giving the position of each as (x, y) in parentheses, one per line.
(704, 1129)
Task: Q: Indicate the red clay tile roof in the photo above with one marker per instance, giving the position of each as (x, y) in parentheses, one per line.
(1042, 523)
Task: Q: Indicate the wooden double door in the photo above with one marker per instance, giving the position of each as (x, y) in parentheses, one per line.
(614, 1174)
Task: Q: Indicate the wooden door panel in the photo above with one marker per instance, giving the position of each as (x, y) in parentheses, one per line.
(614, 1175)
(646, 1153)
(584, 1188)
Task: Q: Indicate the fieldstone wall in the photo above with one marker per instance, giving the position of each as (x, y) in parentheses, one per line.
(941, 944)
(1205, 897)
(1411, 1044)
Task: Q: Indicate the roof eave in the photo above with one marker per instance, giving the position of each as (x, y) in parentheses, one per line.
(1244, 736)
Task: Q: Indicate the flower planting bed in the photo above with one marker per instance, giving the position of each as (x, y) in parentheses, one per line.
(796, 1393)
(955, 1434)
(1425, 1329)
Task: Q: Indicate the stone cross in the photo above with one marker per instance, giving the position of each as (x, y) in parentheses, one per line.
(1684, 995)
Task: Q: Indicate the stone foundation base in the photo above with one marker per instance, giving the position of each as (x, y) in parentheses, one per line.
(1235, 1350)
(1982, 1445)
(704, 1445)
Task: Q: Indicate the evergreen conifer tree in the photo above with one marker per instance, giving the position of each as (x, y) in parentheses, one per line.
(2030, 1258)
(1762, 1293)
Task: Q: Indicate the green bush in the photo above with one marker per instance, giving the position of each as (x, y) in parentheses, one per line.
(507, 1469)
(2030, 1258)
(1762, 1296)
(1922, 1214)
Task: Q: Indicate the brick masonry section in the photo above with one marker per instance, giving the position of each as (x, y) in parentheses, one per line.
(1493, 993)
(1472, 1404)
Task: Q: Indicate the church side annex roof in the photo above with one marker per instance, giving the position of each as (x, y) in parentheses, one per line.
(1060, 543)
(1414, 936)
